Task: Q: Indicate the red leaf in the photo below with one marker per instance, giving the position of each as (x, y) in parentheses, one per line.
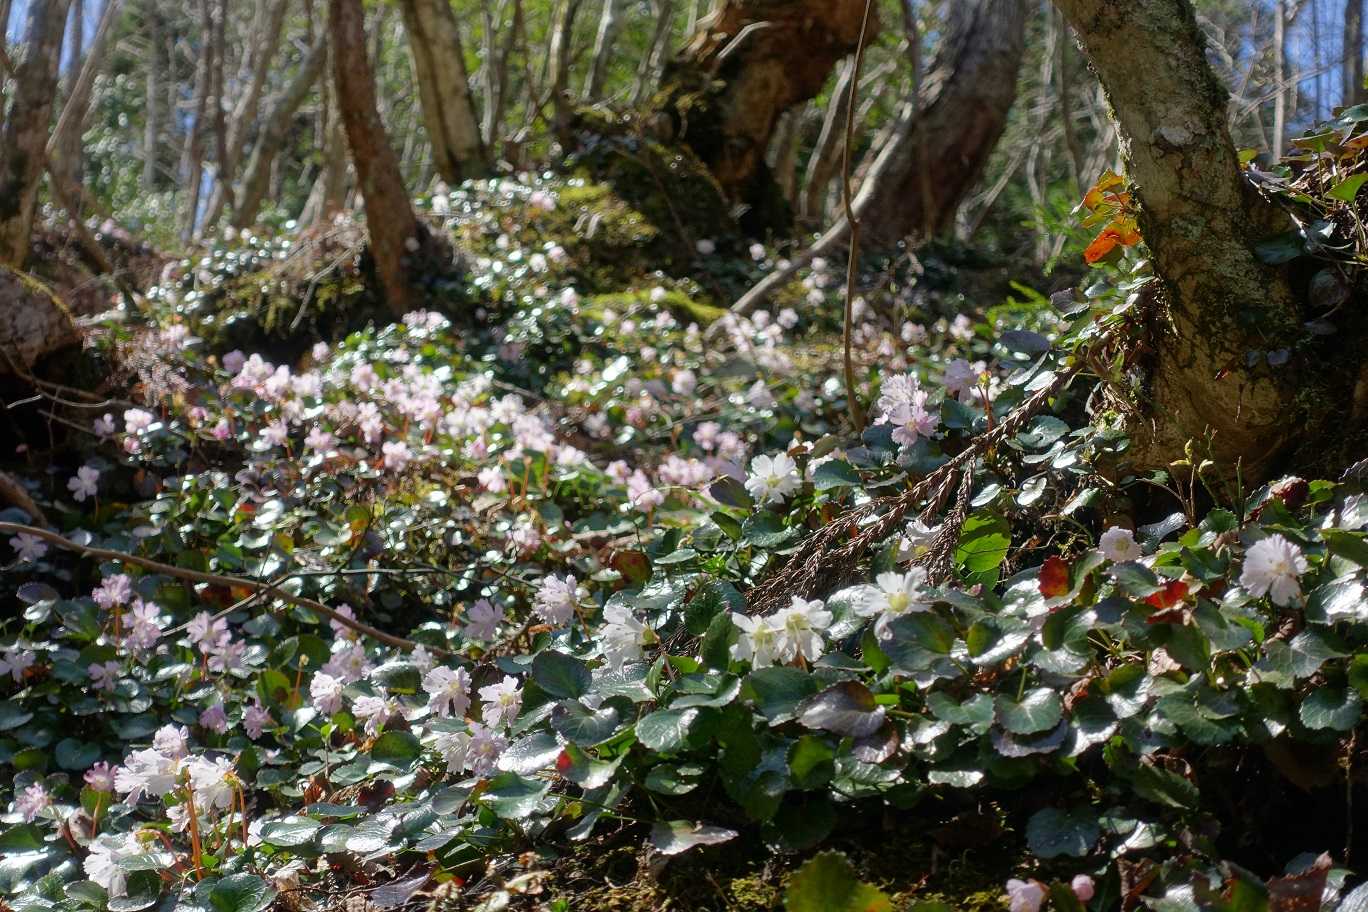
(1174, 591)
(1054, 577)
(564, 763)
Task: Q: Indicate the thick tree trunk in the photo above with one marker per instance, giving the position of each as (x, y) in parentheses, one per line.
(453, 126)
(939, 152)
(933, 154)
(752, 61)
(1200, 219)
(390, 221)
(257, 179)
(24, 135)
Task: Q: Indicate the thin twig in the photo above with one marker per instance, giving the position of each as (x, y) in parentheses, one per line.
(852, 263)
(216, 579)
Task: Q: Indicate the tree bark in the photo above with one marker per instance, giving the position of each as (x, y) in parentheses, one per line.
(390, 221)
(822, 163)
(752, 61)
(64, 148)
(267, 43)
(24, 135)
(154, 98)
(940, 142)
(256, 179)
(603, 51)
(1352, 73)
(453, 126)
(192, 161)
(1200, 220)
(651, 63)
(939, 152)
(1279, 76)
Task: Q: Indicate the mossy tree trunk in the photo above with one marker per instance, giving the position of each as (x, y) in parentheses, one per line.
(390, 223)
(1223, 310)
(751, 61)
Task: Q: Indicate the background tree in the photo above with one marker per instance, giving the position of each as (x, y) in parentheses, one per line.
(390, 223)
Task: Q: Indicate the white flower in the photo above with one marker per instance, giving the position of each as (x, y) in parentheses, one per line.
(172, 741)
(477, 751)
(212, 781)
(1083, 887)
(556, 598)
(482, 621)
(29, 547)
(502, 702)
(760, 642)
(960, 378)
(893, 595)
(137, 420)
(85, 483)
(15, 661)
(255, 719)
(146, 772)
(104, 425)
(102, 864)
(772, 478)
(801, 625)
(706, 246)
(1119, 545)
(448, 691)
(916, 540)
(1271, 567)
(622, 636)
(1025, 895)
(376, 712)
(103, 675)
(642, 494)
(325, 692)
(32, 801)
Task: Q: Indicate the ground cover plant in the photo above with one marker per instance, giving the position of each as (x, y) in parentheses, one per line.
(477, 491)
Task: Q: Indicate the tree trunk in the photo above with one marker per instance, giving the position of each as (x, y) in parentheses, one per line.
(1279, 76)
(257, 178)
(153, 100)
(192, 161)
(651, 63)
(754, 60)
(603, 51)
(267, 43)
(1352, 74)
(562, 54)
(64, 148)
(1200, 219)
(935, 151)
(940, 151)
(24, 135)
(453, 126)
(390, 221)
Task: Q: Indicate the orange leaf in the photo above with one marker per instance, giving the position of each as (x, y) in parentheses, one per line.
(1054, 577)
(1102, 245)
